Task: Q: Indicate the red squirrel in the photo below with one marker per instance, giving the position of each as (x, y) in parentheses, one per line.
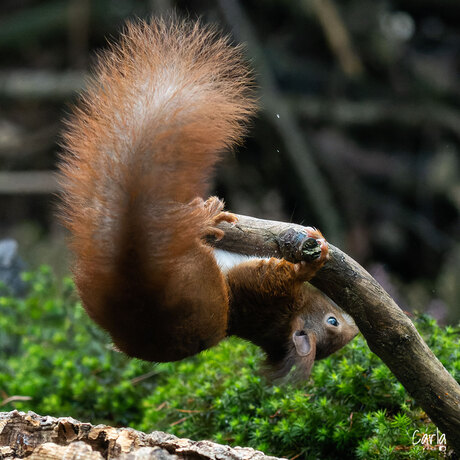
(139, 149)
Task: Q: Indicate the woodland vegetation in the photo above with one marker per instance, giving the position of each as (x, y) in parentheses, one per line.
(358, 134)
(61, 364)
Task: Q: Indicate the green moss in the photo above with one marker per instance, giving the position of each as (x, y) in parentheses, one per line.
(351, 407)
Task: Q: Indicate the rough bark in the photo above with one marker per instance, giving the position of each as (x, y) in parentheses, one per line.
(389, 332)
(42, 437)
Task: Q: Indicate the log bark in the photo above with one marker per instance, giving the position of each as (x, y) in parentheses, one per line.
(389, 332)
(42, 437)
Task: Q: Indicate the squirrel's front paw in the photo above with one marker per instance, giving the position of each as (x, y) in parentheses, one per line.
(317, 235)
(307, 270)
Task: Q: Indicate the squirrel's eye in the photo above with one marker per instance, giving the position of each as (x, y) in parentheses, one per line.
(333, 321)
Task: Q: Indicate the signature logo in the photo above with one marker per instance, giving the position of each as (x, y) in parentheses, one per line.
(435, 441)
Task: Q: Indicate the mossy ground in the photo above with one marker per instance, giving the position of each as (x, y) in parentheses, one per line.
(352, 407)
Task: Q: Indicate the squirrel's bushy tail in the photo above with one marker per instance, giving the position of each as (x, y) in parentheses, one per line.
(161, 106)
(141, 144)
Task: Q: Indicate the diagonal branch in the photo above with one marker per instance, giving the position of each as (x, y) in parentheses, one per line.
(389, 332)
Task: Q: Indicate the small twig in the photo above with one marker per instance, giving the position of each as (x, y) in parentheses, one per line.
(296, 456)
(162, 405)
(15, 398)
(143, 377)
(189, 411)
(338, 36)
(183, 419)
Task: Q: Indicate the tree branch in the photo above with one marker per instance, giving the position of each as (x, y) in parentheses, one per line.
(389, 332)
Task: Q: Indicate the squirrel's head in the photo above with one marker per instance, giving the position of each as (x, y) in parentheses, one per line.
(319, 330)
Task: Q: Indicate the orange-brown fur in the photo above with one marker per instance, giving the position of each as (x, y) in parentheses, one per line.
(139, 150)
(271, 300)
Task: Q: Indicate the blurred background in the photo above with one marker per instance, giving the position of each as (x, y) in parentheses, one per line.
(358, 132)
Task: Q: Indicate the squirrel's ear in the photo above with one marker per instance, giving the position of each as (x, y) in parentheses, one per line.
(304, 343)
(305, 346)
